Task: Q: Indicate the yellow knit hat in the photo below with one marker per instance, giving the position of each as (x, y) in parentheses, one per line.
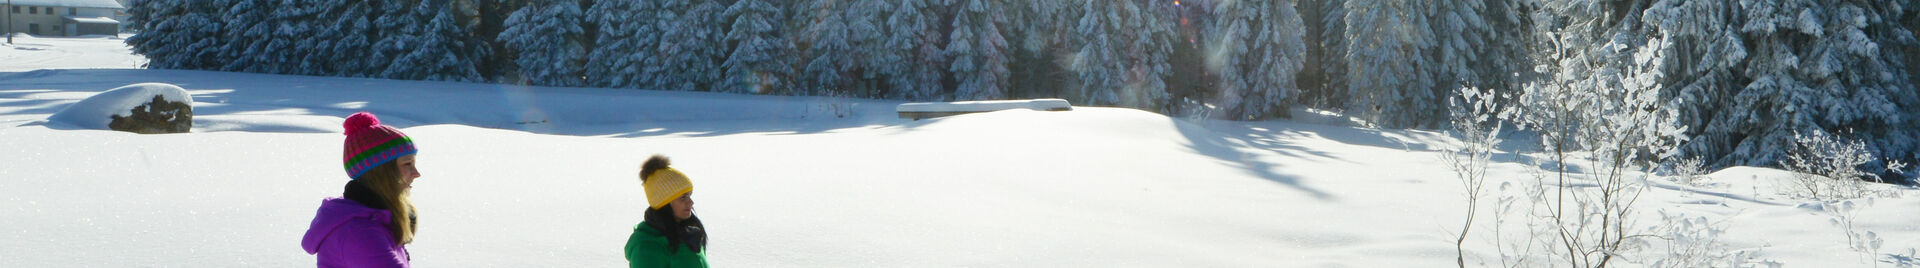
(665, 185)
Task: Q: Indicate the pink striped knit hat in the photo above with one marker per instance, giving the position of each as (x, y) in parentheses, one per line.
(370, 144)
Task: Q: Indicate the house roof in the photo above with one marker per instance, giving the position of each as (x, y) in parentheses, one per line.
(69, 3)
(95, 20)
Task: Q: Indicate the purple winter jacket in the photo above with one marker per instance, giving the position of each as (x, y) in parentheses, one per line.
(347, 234)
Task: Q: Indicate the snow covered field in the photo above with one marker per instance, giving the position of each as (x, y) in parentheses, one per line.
(94, 52)
(545, 177)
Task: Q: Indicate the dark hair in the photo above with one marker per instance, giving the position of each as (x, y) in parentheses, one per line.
(688, 232)
(655, 163)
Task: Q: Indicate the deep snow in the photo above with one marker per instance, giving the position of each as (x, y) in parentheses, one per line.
(534, 176)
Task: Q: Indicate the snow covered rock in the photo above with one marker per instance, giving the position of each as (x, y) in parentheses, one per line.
(145, 108)
(919, 110)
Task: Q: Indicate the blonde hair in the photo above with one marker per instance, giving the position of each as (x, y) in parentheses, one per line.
(385, 181)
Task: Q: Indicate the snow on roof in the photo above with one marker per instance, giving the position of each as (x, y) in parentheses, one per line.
(984, 106)
(104, 20)
(70, 3)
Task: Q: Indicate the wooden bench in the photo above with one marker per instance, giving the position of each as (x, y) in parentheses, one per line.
(919, 110)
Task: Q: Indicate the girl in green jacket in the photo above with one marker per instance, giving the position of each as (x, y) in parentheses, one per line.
(670, 236)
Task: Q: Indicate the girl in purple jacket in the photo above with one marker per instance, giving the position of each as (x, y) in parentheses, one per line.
(373, 221)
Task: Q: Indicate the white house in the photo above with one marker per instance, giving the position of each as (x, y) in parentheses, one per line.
(61, 17)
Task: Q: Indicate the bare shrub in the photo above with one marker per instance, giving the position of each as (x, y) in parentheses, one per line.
(1691, 172)
(1473, 119)
(1826, 168)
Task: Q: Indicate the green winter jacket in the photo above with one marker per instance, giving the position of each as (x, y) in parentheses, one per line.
(647, 248)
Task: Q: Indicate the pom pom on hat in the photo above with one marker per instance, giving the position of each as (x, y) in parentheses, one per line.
(359, 122)
(370, 144)
(654, 163)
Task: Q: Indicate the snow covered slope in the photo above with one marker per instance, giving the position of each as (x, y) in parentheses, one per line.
(546, 177)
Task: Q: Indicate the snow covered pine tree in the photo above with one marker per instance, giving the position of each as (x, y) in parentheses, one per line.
(1259, 53)
(546, 37)
(757, 64)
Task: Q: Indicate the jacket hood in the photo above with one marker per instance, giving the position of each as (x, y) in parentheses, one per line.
(335, 212)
